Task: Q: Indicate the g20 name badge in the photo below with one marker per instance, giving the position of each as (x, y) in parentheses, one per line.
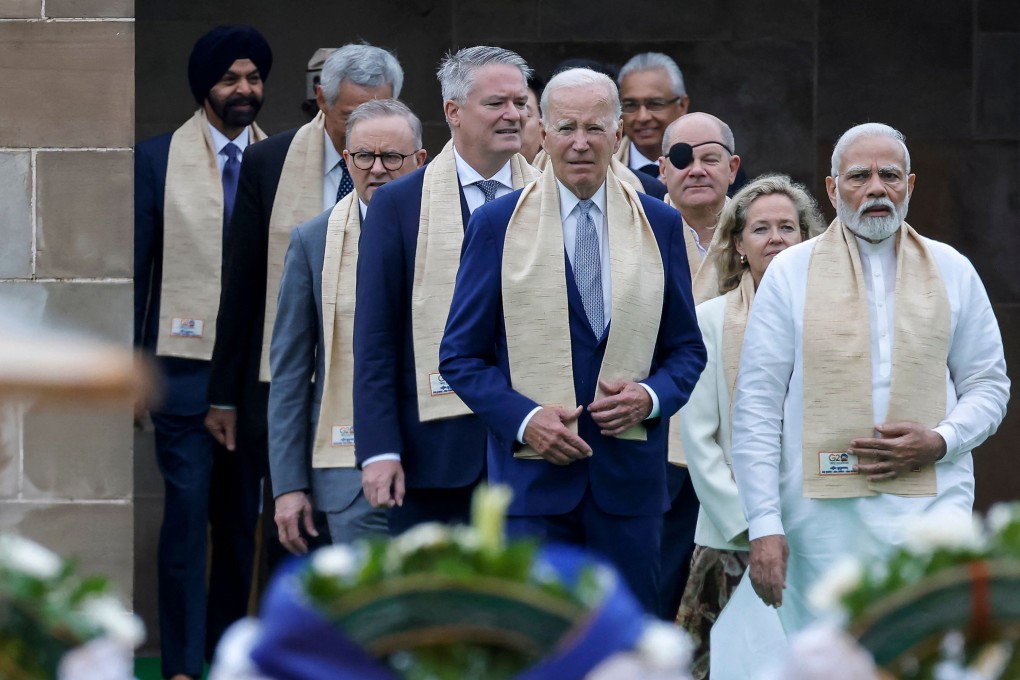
(186, 328)
(438, 385)
(837, 463)
(343, 435)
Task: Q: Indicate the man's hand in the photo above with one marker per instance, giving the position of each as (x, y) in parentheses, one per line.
(768, 568)
(222, 424)
(293, 510)
(548, 434)
(904, 446)
(383, 483)
(625, 405)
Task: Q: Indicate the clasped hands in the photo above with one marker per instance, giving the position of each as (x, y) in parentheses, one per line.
(903, 446)
(624, 405)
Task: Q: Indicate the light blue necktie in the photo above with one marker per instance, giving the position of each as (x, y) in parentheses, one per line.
(588, 268)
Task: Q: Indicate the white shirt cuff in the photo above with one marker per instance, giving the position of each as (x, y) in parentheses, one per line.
(948, 434)
(223, 407)
(769, 525)
(655, 401)
(381, 457)
(524, 424)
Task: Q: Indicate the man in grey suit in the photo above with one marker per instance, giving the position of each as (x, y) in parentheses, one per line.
(313, 465)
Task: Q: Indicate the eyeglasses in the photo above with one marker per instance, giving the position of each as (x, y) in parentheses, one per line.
(653, 105)
(391, 160)
(858, 178)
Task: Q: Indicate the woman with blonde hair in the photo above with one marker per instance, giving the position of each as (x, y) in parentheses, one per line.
(767, 216)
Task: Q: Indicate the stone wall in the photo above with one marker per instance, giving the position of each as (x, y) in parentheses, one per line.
(66, 130)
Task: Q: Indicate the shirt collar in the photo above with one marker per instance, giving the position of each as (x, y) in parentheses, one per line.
(331, 157)
(364, 208)
(637, 159)
(220, 140)
(568, 201)
(469, 175)
(868, 248)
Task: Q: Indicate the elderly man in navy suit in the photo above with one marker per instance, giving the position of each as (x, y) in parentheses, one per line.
(572, 335)
(420, 448)
(311, 449)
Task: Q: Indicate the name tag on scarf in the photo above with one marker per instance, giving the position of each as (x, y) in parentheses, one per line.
(186, 328)
(438, 385)
(343, 435)
(837, 463)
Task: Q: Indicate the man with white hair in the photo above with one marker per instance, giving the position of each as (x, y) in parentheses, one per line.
(872, 366)
(420, 448)
(578, 415)
(652, 95)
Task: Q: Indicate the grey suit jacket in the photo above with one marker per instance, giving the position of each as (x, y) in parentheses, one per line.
(296, 356)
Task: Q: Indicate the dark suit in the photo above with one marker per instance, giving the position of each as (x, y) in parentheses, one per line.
(447, 454)
(297, 355)
(618, 495)
(651, 185)
(191, 462)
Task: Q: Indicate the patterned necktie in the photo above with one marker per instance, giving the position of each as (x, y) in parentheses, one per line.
(588, 268)
(488, 187)
(231, 171)
(346, 185)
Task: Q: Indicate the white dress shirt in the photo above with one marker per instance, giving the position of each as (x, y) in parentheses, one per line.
(331, 172)
(220, 140)
(769, 409)
(473, 195)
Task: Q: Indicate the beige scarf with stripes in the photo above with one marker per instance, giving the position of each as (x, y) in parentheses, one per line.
(837, 359)
(192, 242)
(535, 307)
(436, 259)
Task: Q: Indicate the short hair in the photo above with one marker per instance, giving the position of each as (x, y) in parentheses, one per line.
(734, 219)
(649, 61)
(866, 130)
(457, 70)
(363, 65)
(385, 108)
(724, 131)
(581, 77)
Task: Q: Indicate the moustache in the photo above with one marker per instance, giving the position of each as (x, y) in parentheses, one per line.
(876, 203)
(241, 100)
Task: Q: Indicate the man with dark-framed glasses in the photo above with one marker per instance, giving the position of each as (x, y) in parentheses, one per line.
(652, 95)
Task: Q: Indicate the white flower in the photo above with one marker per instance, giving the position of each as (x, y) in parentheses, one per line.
(827, 593)
(28, 557)
(338, 561)
(947, 529)
(823, 651)
(467, 538)
(233, 655)
(420, 537)
(664, 647)
(117, 623)
(1000, 516)
(99, 659)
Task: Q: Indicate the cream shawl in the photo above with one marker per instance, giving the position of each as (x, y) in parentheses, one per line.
(298, 199)
(623, 153)
(436, 258)
(334, 435)
(535, 307)
(192, 242)
(837, 358)
(619, 169)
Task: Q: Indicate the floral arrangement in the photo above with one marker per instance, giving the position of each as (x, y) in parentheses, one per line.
(944, 605)
(54, 623)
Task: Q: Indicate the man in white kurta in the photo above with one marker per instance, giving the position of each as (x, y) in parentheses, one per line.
(870, 187)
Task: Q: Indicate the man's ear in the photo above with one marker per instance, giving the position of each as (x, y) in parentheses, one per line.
(452, 111)
(320, 99)
(830, 189)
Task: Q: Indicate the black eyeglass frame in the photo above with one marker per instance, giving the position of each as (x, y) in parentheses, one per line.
(382, 157)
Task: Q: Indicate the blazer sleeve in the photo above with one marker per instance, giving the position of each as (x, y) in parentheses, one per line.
(468, 356)
(292, 356)
(680, 353)
(148, 230)
(702, 421)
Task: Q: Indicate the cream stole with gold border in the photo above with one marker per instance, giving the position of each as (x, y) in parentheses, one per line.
(837, 358)
(298, 199)
(436, 258)
(624, 173)
(334, 435)
(535, 307)
(192, 242)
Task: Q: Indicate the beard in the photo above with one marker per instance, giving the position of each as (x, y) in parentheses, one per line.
(231, 115)
(872, 228)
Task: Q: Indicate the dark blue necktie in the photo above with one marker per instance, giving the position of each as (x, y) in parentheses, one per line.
(231, 171)
(650, 169)
(346, 184)
(488, 187)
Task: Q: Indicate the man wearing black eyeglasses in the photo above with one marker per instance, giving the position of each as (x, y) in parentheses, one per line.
(652, 95)
(311, 437)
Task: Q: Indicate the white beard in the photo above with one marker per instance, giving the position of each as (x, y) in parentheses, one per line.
(872, 228)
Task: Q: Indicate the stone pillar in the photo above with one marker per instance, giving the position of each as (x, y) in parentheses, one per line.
(66, 130)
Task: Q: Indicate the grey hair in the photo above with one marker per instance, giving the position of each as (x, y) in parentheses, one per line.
(866, 130)
(734, 218)
(724, 131)
(650, 61)
(363, 65)
(384, 108)
(457, 70)
(582, 77)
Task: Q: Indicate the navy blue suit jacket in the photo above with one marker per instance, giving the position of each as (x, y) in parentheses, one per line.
(625, 477)
(438, 454)
(185, 380)
(651, 185)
